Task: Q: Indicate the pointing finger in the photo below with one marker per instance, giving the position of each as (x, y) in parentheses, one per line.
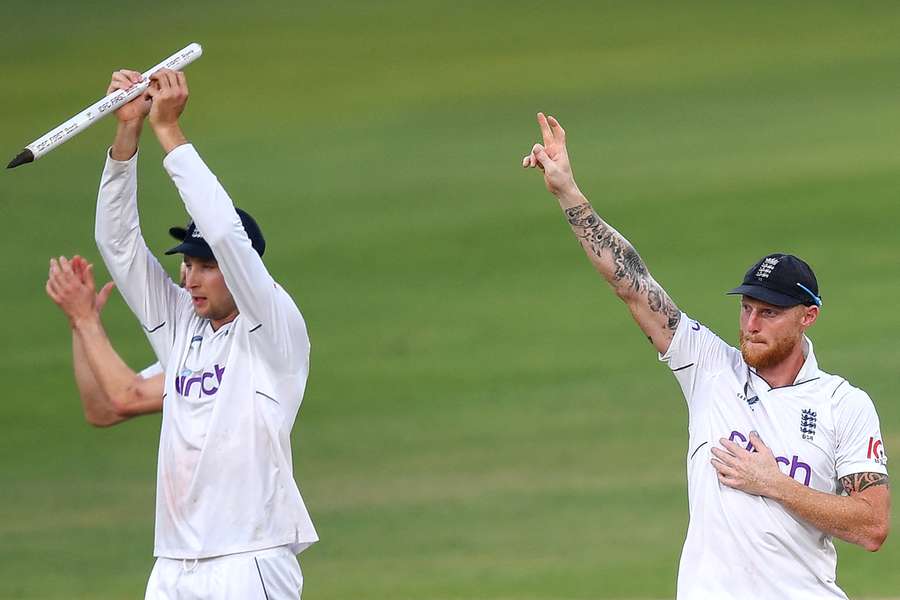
(546, 133)
(558, 132)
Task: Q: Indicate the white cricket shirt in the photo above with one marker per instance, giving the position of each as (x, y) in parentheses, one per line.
(740, 546)
(225, 478)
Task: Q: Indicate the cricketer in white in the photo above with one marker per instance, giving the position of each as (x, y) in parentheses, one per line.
(774, 441)
(233, 384)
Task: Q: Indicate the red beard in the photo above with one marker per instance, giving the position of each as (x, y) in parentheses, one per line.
(763, 357)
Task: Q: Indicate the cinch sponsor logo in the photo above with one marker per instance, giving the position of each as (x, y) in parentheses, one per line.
(793, 464)
(876, 451)
(208, 382)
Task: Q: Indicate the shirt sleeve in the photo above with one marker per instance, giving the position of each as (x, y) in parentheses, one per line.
(276, 326)
(695, 351)
(859, 447)
(151, 371)
(148, 290)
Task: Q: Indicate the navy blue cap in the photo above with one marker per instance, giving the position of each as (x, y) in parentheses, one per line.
(193, 244)
(781, 280)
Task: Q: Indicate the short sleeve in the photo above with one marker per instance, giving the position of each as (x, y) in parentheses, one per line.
(695, 350)
(859, 445)
(152, 371)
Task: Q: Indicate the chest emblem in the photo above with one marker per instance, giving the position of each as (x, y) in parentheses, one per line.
(808, 423)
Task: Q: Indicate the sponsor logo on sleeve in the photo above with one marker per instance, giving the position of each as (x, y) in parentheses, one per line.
(876, 452)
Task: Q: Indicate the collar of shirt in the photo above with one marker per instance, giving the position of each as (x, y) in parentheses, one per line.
(808, 371)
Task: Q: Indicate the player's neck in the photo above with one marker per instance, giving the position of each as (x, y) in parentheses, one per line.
(216, 323)
(785, 372)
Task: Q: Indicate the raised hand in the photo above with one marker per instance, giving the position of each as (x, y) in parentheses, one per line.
(169, 92)
(70, 284)
(136, 110)
(552, 158)
(85, 271)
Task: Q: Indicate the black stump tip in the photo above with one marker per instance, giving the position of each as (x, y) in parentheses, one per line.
(25, 156)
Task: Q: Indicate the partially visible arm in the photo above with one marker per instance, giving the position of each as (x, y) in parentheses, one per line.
(611, 254)
(94, 402)
(862, 517)
(110, 391)
(126, 393)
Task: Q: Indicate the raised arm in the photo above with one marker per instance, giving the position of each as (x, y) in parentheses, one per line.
(275, 321)
(110, 391)
(611, 254)
(152, 296)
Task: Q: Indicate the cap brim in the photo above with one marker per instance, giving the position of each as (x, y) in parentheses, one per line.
(198, 250)
(764, 294)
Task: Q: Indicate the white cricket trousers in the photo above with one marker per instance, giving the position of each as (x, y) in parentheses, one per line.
(271, 574)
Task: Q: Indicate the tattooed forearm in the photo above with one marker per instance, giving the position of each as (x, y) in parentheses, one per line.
(620, 263)
(604, 241)
(862, 481)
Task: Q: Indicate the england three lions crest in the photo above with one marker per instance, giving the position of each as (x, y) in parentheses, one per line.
(808, 423)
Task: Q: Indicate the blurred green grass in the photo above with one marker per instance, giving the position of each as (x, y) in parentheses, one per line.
(483, 420)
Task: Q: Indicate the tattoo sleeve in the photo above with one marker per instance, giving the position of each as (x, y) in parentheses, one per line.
(619, 262)
(858, 482)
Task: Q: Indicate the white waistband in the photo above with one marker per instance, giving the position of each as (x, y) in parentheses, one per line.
(189, 564)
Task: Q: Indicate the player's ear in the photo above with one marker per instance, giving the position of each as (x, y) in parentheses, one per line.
(810, 314)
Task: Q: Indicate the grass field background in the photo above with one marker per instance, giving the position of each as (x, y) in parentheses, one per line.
(483, 419)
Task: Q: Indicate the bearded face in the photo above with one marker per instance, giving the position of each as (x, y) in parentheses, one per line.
(762, 354)
(769, 334)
